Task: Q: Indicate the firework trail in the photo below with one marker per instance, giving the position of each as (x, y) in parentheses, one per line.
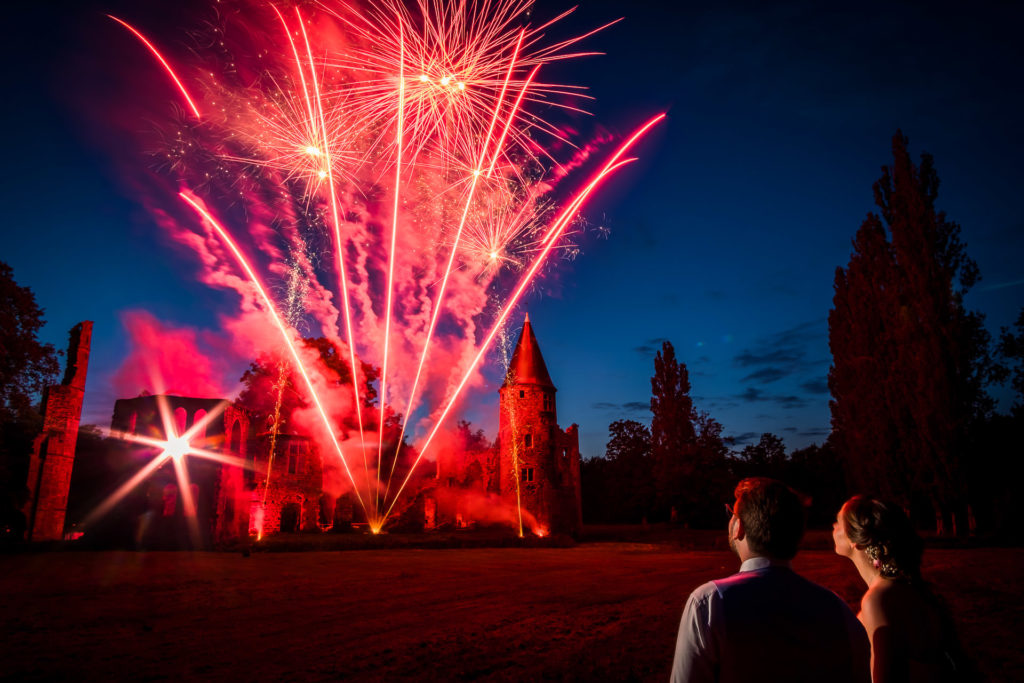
(398, 160)
(293, 308)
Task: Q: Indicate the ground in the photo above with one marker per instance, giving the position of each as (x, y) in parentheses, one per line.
(596, 611)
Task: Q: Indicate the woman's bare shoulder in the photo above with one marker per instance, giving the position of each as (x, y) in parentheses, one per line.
(878, 603)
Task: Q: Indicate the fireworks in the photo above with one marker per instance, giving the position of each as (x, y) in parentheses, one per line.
(414, 139)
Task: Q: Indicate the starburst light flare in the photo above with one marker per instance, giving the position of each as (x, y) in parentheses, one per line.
(175, 448)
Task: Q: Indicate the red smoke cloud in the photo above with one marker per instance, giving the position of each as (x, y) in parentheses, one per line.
(163, 359)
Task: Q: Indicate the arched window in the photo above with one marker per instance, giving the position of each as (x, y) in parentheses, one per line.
(170, 500)
(198, 419)
(132, 420)
(236, 438)
(180, 420)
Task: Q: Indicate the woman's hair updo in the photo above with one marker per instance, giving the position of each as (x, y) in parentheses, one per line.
(886, 535)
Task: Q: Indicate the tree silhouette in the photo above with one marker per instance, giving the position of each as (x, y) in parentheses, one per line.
(629, 467)
(26, 368)
(909, 361)
(1011, 349)
(766, 456)
(673, 437)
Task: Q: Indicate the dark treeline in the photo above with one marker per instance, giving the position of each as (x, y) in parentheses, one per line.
(682, 470)
(912, 417)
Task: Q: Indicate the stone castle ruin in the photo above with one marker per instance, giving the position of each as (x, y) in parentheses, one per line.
(529, 479)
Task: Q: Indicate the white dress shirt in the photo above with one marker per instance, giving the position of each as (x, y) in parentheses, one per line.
(768, 623)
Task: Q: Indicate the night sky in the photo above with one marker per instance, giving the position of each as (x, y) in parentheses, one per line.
(723, 239)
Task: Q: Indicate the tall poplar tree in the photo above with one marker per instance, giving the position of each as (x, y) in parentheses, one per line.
(673, 437)
(909, 361)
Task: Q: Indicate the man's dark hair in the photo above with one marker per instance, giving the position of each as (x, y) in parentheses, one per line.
(773, 516)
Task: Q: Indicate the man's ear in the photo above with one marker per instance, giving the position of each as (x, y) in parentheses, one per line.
(738, 532)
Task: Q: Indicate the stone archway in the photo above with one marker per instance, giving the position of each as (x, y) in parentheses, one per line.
(291, 517)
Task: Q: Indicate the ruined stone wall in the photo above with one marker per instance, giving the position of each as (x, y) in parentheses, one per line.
(567, 458)
(295, 484)
(53, 451)
(469, 472)
(222, 491)
(234, 489)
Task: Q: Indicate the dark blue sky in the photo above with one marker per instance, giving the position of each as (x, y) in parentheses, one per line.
(724, 239)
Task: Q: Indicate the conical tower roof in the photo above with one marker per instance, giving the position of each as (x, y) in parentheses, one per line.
(527, 365)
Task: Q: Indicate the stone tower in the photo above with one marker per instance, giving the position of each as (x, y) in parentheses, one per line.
(539, 463)
(53, 451)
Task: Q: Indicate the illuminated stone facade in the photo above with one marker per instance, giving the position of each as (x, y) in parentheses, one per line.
(53, 452)
(291, 498)
(539, 462)
(534, 466)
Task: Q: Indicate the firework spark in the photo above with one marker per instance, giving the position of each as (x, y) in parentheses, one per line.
(414, 141)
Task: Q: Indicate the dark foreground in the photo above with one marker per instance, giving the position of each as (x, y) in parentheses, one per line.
(601, 611)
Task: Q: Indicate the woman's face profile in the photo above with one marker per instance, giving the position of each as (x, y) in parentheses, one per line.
(842, 543)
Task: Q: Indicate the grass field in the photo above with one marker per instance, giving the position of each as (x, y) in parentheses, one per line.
(596, 611)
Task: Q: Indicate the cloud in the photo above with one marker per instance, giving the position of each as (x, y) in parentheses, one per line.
(790, 429)
(745, 437)
(650, 347)
(1001, 285)
(752, 395)
(783, 354)
(746, 358)
(629, 407)
(788, 402)
(816, 432)
(766, 375)
(815, 386)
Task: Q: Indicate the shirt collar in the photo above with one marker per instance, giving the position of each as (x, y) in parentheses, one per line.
(755, 563)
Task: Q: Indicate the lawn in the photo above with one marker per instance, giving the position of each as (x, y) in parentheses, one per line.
(596, 611)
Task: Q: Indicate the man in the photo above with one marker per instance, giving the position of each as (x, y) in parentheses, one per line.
(767, 623)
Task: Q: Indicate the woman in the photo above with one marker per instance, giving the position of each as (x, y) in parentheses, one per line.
(911, 633)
